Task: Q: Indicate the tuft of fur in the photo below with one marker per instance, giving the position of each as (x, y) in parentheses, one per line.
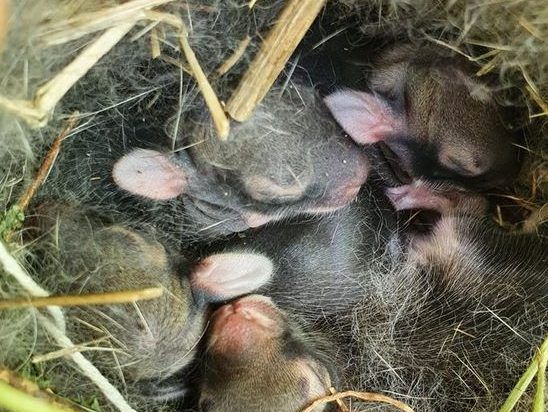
(455, 327)
(452, 327)
(127, 76)
(127, 80)
(504, 40)
(136, 346)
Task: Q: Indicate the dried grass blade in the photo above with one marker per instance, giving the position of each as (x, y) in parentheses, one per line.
(4, 12)
(106, 298)
(294, 21)
(88, 23)
(87, 368)
(50, 94)
(233, 59)
(36, 112)
(221, 122)
(364, 396)
(47, 163)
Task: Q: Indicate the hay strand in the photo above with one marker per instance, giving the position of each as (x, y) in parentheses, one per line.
(364, 396)
(16, 400)
(222, 125)
(294, 21)
(233, 59)
(29, 388)
(57, 331)
(121, 20)
(63, 353)
(340, 403)
(155, 51)
(50, 94)
(14, 217)
(525, 380)
(47, 163)
(12, 267)
(88, 23)
(87, 368)
(77, 348)
(37, 111)
(4, 12)
(106, 298)
(220, 121)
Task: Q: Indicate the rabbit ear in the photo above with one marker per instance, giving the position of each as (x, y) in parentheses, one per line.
(367, 118)
(149, 174)
(226, 276)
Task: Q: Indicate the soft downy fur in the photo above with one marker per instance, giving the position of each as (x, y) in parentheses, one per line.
(441, 331)
(456, 326)
(318, 259)
(262, 358)
(145, 348)
(126, 78)
(289, 158)
(136, 345)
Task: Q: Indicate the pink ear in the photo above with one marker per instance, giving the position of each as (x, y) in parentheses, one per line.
(417, 195)
(365, 117)
(228, 275)
(150, 174)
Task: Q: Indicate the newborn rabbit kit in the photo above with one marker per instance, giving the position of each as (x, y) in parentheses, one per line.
(283, 205)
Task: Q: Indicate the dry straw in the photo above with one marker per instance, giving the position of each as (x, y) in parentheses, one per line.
(3, 22)
(116, 22)
(57, 331)
(295, 20)
(36, 112)
(105, 298)
(15, 215)
(280, 43)
(363, 396)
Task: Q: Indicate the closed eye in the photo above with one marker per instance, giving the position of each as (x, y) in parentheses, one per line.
(206, 405)
(459, 167)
